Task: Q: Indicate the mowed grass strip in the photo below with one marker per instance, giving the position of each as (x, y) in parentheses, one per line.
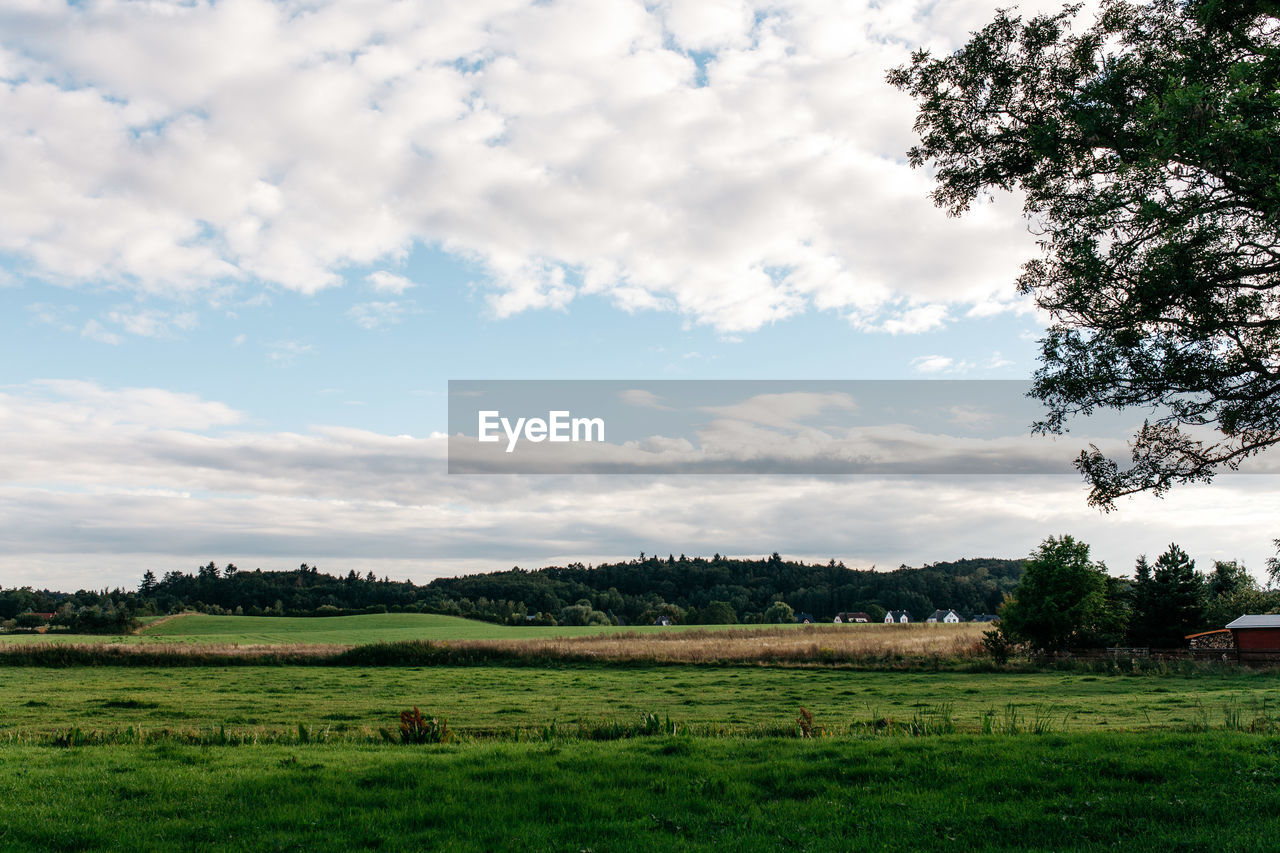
(504, 700)
(203, 629)
(1151, 791)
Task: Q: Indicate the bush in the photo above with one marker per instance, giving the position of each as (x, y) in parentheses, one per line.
(996, 644)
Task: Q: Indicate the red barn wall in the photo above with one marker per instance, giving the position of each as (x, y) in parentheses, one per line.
(1257, 638)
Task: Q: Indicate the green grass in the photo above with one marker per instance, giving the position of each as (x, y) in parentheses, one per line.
(1153, 791)
(338, 630)
(501, 699)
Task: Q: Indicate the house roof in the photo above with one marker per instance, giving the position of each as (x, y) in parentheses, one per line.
(1268, 621)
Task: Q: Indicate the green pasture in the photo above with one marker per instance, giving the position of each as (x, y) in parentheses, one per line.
(341, 630)
(1149, 791)
(504, 700)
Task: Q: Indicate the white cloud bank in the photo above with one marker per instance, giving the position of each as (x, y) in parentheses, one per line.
(101, 484)
(737, 162)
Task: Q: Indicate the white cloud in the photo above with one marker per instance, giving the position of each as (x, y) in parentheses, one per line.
(386, 282)
(560, 147)
(932, 363)
(997, 361)
(922, 318)
(969, 416)
(285, 353)
(95, 331)
(151, 323)
(377, 315)
(785, 410)
(643, 399)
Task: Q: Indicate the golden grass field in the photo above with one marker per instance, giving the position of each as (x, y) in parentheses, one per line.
(806, 643)
(712, 644)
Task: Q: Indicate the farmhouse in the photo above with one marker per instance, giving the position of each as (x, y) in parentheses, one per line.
(897, 616)
(944, 616)
(805, 618)
(1256, 632)
(853, 617)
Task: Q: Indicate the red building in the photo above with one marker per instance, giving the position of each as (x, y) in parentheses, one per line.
(1256, 632)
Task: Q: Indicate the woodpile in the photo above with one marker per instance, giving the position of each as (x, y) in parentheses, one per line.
(1222, 639)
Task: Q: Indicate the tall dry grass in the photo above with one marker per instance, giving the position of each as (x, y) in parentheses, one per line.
(811, 644)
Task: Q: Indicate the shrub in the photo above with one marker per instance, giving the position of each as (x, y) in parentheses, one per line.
(997, 644)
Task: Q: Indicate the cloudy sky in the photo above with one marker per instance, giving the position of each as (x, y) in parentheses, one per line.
(244, 245)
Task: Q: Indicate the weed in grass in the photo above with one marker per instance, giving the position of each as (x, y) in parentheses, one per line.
(415, 728)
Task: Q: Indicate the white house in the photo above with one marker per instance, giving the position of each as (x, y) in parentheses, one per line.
(944, 616)
(897, 616)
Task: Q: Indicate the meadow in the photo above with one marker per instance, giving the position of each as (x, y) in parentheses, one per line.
(662, 739)
(509, 702)
(1155, 791)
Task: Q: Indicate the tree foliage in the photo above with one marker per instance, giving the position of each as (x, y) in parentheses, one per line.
(1169, 601)
(1064, 600)
(1147, 150)
(685, 590)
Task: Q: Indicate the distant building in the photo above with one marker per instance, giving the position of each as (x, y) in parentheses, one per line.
(853, 617)
(805, 618)
(662, 620)
(944, 616)
(897, 616)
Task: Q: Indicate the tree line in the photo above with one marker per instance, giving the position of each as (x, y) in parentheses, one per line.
(1066, 600)
(683, 590)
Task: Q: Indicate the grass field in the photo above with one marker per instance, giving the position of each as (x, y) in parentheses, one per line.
(623, 753)
(348, 702)
(1152, 791)
(349, 630)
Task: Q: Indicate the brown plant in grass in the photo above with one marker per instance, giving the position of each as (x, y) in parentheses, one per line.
(415, 728)
(804, 722)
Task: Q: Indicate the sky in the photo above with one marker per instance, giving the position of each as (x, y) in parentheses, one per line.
(245, 246)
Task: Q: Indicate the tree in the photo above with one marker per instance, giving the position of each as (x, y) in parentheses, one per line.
(1147, 149)
(1144, 621)
(718, 613)
(1227, 578)
(1225, 608)
(1177, 598)
(1273, 564)
(1062, 600)
(582, 614)
(778, 612)
(148, 584)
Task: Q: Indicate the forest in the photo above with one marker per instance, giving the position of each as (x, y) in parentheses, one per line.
(685, 590)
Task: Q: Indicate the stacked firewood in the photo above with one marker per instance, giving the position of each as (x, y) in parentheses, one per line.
(1213, 640)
